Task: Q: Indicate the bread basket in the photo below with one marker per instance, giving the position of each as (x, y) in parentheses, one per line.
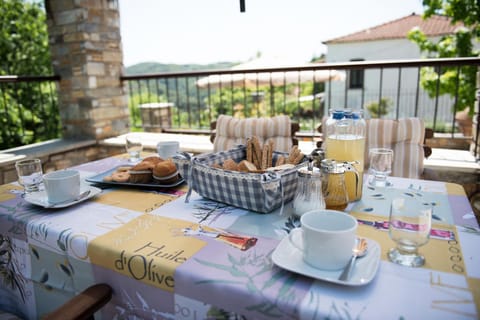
(260, 192)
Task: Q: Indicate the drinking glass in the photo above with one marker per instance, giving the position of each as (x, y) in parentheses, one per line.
(30, 174)
(380, 166)
(410, 223)
(133, 144)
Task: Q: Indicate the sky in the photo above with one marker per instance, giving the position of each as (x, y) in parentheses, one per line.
(210, 31)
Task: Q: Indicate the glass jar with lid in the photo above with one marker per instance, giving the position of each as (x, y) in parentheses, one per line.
(345, 142)
(308, 195)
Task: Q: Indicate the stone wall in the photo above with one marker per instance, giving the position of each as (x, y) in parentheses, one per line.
(85, 42)
(56, 155)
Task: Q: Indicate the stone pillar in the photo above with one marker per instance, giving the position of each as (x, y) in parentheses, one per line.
(86, 49)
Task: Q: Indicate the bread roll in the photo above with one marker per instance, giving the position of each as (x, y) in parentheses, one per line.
(142, 166)
(164, 168)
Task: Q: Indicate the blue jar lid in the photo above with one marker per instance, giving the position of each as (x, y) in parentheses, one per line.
(348, 114)
(337, 114)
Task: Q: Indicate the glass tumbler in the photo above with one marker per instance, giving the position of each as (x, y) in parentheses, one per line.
(381, 160)
(134, 147)
(410, 224)
(30, 174)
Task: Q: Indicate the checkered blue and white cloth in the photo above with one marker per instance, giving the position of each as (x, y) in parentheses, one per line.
(261, 192)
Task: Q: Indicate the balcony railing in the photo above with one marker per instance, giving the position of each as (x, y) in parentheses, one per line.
(28, 110)
(194, 101)
(395, 84)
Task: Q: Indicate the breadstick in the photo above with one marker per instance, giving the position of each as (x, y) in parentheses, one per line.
(293, 154)
(265, 152)
(280, 161)
(257, 152)
(250, 150)
(298, 158)
(270, 154)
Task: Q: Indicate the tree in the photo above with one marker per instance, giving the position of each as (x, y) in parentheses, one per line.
(24, 51)
(460, 82)
(379, 109)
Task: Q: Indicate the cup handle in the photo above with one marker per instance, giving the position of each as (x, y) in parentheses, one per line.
(295, 238)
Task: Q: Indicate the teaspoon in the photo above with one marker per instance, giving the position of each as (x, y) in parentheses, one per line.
(359, 251)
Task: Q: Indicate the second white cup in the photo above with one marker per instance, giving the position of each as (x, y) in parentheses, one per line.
(326, 238)
(167, 149)
(62, 185)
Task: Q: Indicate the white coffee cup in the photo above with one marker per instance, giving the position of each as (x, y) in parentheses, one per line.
(62, 185)
(167, 149)
(326, 238)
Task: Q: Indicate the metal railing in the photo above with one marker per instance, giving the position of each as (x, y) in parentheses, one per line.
(196, 98)
(28, 110)
(199, 97)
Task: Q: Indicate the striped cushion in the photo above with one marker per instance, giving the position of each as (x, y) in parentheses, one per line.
(405, 136)
(231, 132)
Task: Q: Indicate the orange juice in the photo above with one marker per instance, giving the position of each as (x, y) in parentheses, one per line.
(348, 147)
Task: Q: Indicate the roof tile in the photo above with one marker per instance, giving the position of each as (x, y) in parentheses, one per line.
(397, 29)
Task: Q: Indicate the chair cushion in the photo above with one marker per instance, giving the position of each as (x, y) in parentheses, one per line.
(231, 132)
(405, 137)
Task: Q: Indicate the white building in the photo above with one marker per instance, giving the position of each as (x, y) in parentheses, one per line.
(387, 41)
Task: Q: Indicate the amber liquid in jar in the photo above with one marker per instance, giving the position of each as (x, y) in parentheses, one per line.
(336, 196)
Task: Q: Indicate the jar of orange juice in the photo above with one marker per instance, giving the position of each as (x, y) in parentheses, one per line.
(345, 141)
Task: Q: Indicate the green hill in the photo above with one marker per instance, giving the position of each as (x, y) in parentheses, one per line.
(156, 67)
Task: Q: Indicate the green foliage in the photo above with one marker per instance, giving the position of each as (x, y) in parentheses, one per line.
(189, 101)
(24, 39)
(377, 110)
(451, 80)
(267, 100)
(193, 106)
(24, 51)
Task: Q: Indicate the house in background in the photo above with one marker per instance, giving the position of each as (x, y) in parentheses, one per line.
(387, 41)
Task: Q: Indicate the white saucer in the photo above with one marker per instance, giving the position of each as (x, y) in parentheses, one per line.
(286, 256)
(39, 198)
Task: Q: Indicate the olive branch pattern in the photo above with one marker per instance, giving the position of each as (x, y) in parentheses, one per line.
(9, 271)
(40, 232)
(246, 270)
(208, 209)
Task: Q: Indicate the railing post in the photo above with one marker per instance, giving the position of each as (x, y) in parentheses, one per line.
(476, 122)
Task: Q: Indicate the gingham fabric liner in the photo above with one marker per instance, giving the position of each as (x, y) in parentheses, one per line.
(257, 192)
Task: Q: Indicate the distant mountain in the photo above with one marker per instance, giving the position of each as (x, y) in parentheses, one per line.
(156, 67)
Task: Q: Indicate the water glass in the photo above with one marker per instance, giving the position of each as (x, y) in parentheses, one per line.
(133, 144)
(410, 224)
(380, 160)
(30, 174)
